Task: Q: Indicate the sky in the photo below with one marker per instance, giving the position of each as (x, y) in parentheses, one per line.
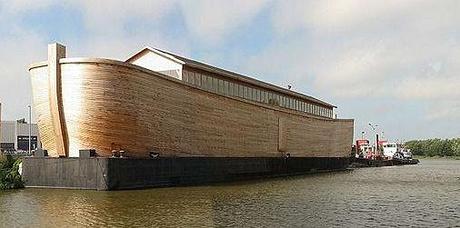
(393, 63)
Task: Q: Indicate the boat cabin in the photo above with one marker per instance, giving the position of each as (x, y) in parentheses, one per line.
(226, 83)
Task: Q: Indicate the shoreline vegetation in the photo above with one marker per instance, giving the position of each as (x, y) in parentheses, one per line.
(9, 173)
(437, 157)
(435, 148)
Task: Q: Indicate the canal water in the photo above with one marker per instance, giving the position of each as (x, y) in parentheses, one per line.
(424, 195)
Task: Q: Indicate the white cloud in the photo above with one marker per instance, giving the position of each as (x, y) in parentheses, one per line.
(20, 6)
(111, 16)
(211, 21)
(334, 16)
(432, 88)
(207, 21)
(372, 46)
(445, 110)
(18, 52)
(20, 47)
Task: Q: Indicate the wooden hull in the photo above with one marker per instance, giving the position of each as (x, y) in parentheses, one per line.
(107, 104)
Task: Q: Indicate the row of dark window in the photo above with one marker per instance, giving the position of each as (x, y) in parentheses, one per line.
(229, 88)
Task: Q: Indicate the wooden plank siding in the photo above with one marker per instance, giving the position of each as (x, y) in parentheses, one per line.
(108, 103)
(41, 106)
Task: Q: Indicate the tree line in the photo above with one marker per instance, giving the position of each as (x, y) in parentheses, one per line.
(434, 147)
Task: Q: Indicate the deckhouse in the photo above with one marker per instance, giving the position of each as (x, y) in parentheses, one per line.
(228, 83)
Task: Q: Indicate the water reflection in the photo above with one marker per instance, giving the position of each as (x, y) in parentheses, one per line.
(424, 195)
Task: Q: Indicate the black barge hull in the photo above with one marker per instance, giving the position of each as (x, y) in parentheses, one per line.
(130, 173)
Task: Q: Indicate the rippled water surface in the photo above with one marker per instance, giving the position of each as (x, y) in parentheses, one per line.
(424, 195)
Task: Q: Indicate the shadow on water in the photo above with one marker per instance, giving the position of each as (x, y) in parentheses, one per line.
(421, 195)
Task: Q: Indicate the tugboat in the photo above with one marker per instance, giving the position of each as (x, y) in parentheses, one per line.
(398, 154)
(382, 153)
(367, 155)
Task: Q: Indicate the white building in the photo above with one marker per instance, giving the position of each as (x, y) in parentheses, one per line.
(14, 135)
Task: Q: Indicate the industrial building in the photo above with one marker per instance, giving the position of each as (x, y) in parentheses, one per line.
(14, 136)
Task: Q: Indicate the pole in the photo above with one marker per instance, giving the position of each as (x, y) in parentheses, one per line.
(30, 130)
(377, 141)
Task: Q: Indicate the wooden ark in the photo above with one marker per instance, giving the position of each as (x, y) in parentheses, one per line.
(142, 107)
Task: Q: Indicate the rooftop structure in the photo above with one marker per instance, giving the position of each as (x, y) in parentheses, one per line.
(214, 79)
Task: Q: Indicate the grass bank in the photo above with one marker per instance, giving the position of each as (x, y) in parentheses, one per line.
(9, 174)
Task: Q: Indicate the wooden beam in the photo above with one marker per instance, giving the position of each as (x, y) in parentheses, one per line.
(55, 52)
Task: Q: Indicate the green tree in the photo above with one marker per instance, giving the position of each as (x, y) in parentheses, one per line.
(435, 147)
(9, 174)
